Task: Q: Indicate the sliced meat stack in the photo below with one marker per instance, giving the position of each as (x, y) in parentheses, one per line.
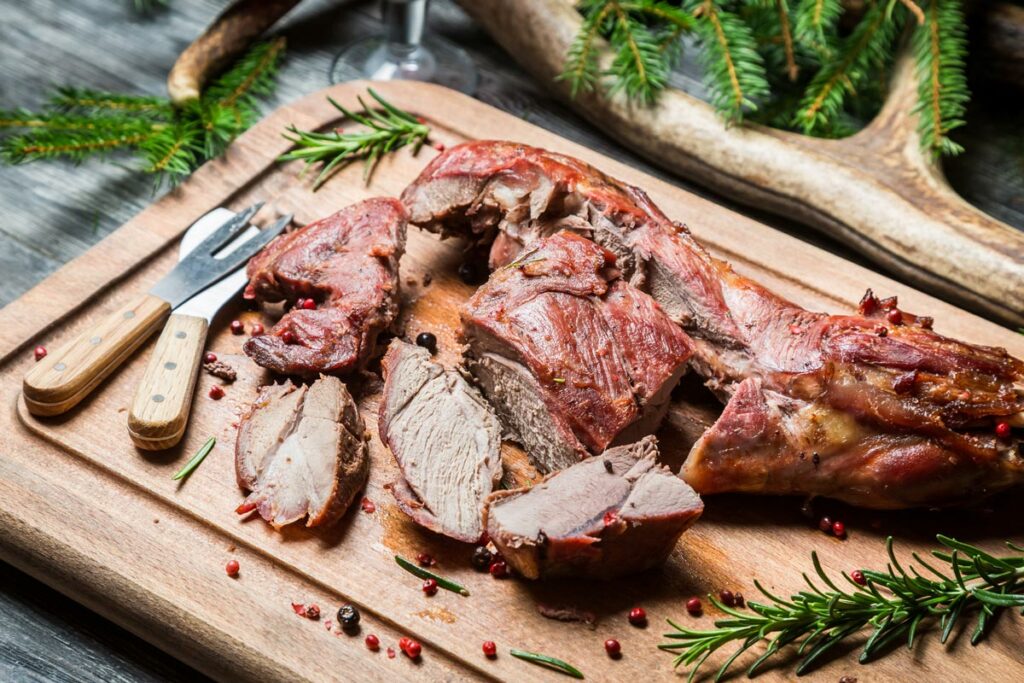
(610, 515)
(445, 439)
(347, 266)
(571, 356)
(301, 452)
(875, 409)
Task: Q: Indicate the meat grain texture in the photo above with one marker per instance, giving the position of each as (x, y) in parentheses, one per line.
(572, 357)
(611, 515)
(347, 264)
(445, 439)
(874, 409)
(301, 452)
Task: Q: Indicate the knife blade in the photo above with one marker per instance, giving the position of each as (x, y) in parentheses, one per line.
(160, 408)
(66, 376)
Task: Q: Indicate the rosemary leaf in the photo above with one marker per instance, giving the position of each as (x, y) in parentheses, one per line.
(549, 662)
(442, 582)
(198, 458)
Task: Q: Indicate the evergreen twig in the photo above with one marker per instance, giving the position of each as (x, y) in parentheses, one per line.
(940, 49)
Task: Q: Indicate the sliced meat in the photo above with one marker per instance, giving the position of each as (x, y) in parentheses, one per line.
(347, 265)
(571, 356)
(301, 452)
(445, 439)
(614, 514)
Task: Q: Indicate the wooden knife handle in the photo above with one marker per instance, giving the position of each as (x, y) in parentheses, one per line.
(159, 411)
(64, 377)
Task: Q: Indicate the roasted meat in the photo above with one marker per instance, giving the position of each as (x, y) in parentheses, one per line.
(614, 514)
(875, 408)
(445, 439)
(301, 452)
(347, 266)
(571, 356)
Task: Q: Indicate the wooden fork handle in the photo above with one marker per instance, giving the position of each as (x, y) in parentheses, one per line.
(160, 409)
(64, 377)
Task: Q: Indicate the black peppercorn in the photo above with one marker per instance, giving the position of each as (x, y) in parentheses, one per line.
(348, 617)
(427, 341)
(482, 559)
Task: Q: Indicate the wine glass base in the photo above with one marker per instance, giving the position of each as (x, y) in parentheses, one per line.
(435, 60)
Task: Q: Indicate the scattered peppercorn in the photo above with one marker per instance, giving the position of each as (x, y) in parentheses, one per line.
(430, 586)
(825, 524)
(694, 606)
(839, 529)
(894, 316)
(428, 341)
(257, 329)
(237, 327)
(637, 616)
(308, 305)
(439, 146)
(367, 506)
(391, 653)
(858, 577)
(482, 558)
(210, 357)
(726, 597)
(310, 611)
(216, 392)
(412, 649)
(348, 617)
(288, 337)
(232, 568)
(613, 648)
(372, 642)
(39, 353)
(490, 649)
(498, 569)
(328, 625)
(424, 560)
(1003, 429)
(740, 602)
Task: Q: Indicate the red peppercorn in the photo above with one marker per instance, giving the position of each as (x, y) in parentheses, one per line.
(858, 577)
(237, 327)
(726, 597)
(439, 146)
(1003, 429)
(839, 529)
(825, 524)
(637, 616)
(210, 357)
(894, 316)
(39, 353)
(403, 643)
(245, 508)
(391, 653)
(430, 586)
(498, 569)
(694, 606)
(257, 329)
(216, 392)
(232, 568)
(372, 642)
(490, 649)
(424, 560)
(413, 649)
(367, 506)
(288, 337)
(308, 305)
(613, 648)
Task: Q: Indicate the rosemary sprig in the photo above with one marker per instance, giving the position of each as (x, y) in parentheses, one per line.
(442, 582)
(388, 129)
(548, 662)
(896, 604)
(196, 460)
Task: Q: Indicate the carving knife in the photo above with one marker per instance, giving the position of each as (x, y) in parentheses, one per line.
(160, 409)
(64, 377)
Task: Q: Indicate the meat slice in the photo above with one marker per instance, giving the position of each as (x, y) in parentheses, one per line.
(347, 264)
(610, 515)
(571, 356)
(875, 409)
(445, 439)
(301, 452)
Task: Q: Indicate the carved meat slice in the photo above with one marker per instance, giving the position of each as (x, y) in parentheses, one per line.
(445, 439)
(614, 514)
(571, 356)
(875, 408)
(301, 452)
(347, 264)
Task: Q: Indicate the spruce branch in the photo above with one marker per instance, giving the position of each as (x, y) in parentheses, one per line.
(792, 70)
(940, 49)
(638, 66)
(895, 604)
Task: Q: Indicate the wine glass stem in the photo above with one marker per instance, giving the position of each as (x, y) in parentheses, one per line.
(404, 22)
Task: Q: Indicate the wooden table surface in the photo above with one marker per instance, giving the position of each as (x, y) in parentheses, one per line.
(54, 211)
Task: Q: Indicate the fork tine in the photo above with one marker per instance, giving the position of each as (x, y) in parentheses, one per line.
(225, 233)
(249, 248)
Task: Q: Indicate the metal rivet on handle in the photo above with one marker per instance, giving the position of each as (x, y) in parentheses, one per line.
(158, 398)
(129, 314)
(180, 334)
(95, 340)
(170, 365)
(59, 367)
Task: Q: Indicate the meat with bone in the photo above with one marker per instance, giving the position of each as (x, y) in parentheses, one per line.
(301, 452)
(572, 357)
(614, 514)
(445, 439)
(347, 264)
(874, 409)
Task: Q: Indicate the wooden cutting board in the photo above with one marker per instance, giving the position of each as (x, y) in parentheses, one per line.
(83, 510)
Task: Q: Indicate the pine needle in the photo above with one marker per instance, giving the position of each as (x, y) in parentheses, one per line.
(940, 49)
